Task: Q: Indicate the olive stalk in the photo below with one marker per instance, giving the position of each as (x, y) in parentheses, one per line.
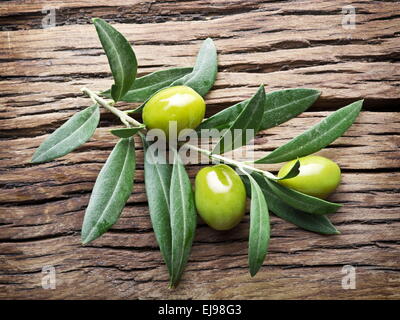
(240, 165)
(128, 121)
(125, 119)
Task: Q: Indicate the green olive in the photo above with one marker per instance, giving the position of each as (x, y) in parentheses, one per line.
(318, 177)
(180, 103)
(220, 196)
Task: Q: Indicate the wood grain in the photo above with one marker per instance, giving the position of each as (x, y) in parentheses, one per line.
(283, 44)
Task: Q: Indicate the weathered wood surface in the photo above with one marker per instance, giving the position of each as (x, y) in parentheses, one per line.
(282, 44)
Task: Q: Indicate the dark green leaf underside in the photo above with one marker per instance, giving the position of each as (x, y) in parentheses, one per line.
(259, 228)
(280, 106)
(126, 132)
(249, 119)
(203, 75)
(302, 201)
(311, 222)
(144, 87)
(293, 172)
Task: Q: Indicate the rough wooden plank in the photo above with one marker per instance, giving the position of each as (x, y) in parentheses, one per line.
(345, 64)
(26, 15)
(375, 137)
(288, 44)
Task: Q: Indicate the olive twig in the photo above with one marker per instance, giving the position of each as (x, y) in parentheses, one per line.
(241, 165)
(128, 121)
(125, 119)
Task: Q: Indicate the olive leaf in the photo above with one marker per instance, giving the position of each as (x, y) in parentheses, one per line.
(293, 172)
(259, 227)
(204, 73)
(183, 218)
(280, 106)
(249, 118)
(73, 133)
(126, 132)
(121, 58)
(311, 222)
(144, 87)
(301, 201)
(157, 174)
(317, 137)
(111, 191)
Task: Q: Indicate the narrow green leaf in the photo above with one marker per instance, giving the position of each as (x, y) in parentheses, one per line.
(249, 118)
(259, 228)
(293, 172)
(73, 133)
(121, 58)
(204, 73)
(317, 137)
(126, 132)
(183, 218)
(311, 222)
(144, 87)
(111, 191)
(280, 106)
(301, 201)
(157, 174)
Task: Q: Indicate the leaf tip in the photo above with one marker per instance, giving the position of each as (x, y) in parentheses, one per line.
(317, 92)
(84, 242)
(357, 104)
(253, 272)
(36, 159)
(85, 238)
(171, 286)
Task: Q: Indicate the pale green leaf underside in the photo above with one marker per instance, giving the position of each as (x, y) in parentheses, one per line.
(73, 133)
(183, 219)
(157, 174)
(111, 191)
(204, 73)
(120, 55)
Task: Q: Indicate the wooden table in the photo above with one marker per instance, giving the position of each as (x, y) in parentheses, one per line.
(281, 44)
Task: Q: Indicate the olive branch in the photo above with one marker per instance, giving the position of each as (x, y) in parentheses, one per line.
(168, 188)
